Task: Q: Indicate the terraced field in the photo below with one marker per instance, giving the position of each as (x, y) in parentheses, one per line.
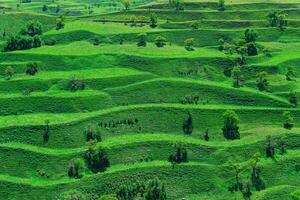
(141, 98)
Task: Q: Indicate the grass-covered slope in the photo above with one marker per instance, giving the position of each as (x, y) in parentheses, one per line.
(138, 98)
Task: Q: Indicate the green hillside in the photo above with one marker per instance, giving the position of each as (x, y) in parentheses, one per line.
(149, 100)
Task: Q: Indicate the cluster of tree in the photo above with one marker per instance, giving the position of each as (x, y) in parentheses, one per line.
(254, 181)
(180, 155)
(277, 19)
(154, 189)
(113, 124)
(28, 38)
(262, 81)
(76, 84)
(160, 41)
(177, 4)
(273, 145)
(190, 99)
(243, 47)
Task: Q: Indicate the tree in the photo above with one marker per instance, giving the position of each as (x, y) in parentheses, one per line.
(76, 167)
(60, 23)
(9, 72)
(179, 156)
(153, 20)
(273, 18)
(231, 128)
(270, 147)
(179, 4)
(195, 25)
(155, 190)
(288, 120)
(126, 4)
(246, 190)
(32, 28)
(236, 72)
(160, 41)
(255, 176)
(187, 125)
(45, 8)
(242, 51)
(262, 82)
(282, 22)
(37, 42)
(97, 158)
(237, 171)
(189, 44)
(32, 68)
(250, 35)
(221, 5)
(289, 74)
(206, 136)
(46, 131)
(293, 98)
(142, 40)
(92, 134)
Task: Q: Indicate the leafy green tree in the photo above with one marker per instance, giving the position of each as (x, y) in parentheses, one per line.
(236, 72)
(179, 156)
(246, 190)
(97, 158)
(46, 131)
(270, 147)
(76, 168)
(126, 4)
(255, 177)
(250, 35)
(60, 23)
(289, 74)
(262, 82)
(293, 98)
(221, 5)
(195, 25)
(32, 68)
(153, 20)
(273, 18)
(9, 72)
(92, 133)
(242, 51)
(187, 125)
(288, 120)
(231, 128)
(37, 42)
(282, 21)
(142, 40)
(160, 41)
(32, 28)
(179, 4)
(206, 136)
(238, 168)
(189, 44)
(45, 8)
(155, 190)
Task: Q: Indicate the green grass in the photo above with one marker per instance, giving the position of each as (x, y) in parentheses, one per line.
(147, 85)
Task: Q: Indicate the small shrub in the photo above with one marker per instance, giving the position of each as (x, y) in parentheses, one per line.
(32, 68)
